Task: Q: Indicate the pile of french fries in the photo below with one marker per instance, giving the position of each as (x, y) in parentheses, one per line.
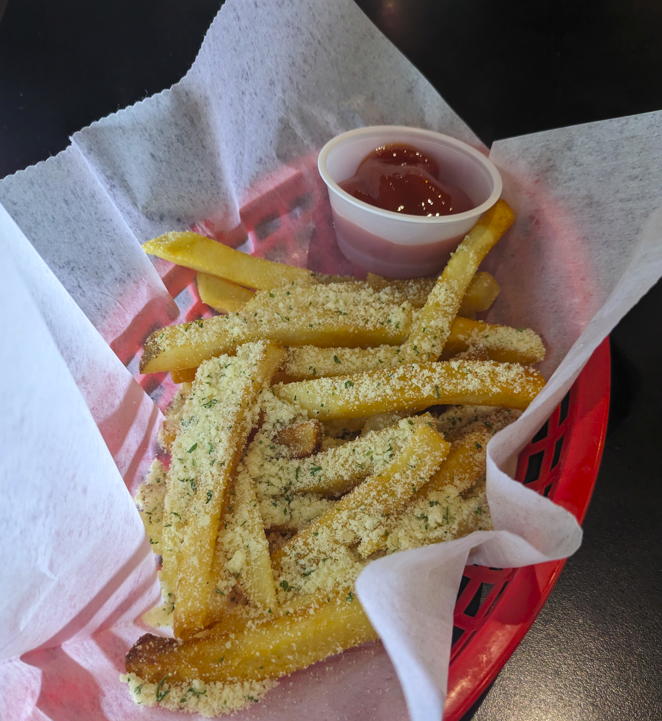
(322, 422)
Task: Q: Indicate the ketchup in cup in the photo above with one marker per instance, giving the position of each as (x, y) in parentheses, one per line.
(403, 198)
(402, 179)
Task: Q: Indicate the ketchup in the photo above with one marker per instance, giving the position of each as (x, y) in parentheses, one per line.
(404, 180)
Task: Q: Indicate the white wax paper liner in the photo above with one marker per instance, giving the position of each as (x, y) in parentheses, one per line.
(270, 86)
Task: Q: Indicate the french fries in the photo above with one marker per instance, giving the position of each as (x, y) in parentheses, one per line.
(193, 250)
(367, 513)
(249, 547)
(334, 472)
(433, 324)
(332, 321)
(502, 343)
(424, 521)
(417, 387)
(258, 649)
(300, 451)
(204, 457)
(499, 342)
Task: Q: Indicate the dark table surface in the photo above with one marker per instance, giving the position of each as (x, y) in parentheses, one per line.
(508, 68)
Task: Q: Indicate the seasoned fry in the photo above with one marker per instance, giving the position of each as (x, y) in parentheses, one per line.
(345, 319)
(501, 343)
(481, 293)
(432, 327)
(266, 648)
(245, 539)
(417, 387)
(302, 439)
(216, 420)
(365, 514)
(208, 256)
(221, 294)
(465, 464)
(336, 471)
(308, 362)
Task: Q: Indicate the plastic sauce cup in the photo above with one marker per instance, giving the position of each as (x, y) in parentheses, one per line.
(396, 245)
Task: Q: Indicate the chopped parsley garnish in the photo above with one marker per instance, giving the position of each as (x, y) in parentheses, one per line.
(160, 694)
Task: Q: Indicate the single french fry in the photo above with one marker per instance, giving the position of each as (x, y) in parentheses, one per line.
(376, 321)
(249, 542)
(417, 387)
(266, 648)
(208, 256)
(432, 326)
(500, 342)
(186, 375)
(365, 514)
(309, 362)
(221, 294)
(474, 512)
(335, 471)
(301, 439)
(217, 418)
(481, 293)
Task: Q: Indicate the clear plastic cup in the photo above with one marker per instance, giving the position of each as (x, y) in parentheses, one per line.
(392, 244)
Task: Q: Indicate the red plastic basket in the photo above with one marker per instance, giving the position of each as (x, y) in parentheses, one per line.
(495, 607)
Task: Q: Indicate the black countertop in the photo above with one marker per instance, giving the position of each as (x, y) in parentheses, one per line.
(508, 68)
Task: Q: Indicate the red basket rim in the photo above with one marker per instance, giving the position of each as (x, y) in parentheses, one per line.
(472, 672)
